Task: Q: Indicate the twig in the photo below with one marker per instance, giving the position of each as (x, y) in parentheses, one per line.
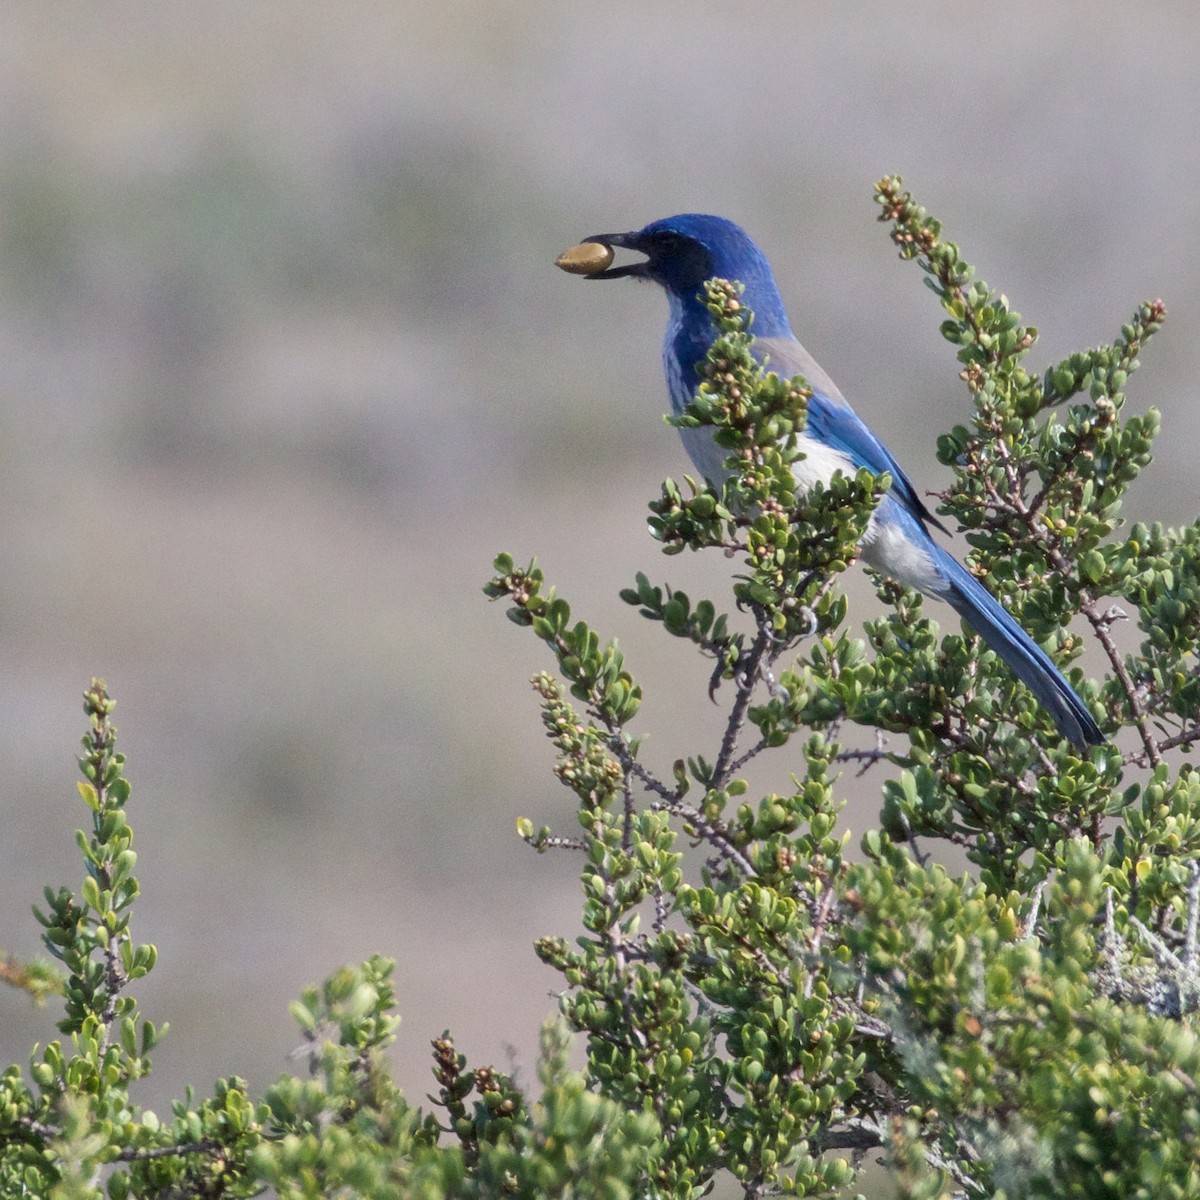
(868, 758)
(712, 832)
(748, 676)
(1035, 908)
(151, 1152)
(1193, 919)
(631, 766)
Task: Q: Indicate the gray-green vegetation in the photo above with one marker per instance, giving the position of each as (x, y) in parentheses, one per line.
(755, 1005)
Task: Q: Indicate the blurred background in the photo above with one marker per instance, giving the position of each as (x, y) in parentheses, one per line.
(284, 362)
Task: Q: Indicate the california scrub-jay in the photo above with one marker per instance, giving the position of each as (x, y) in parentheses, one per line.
(681, 253)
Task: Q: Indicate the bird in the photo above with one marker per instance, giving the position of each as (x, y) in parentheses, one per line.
(680, 254)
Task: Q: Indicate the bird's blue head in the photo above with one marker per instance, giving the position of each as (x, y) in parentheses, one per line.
(684, 251)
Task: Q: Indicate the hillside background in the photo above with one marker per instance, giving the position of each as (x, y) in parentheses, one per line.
(284, 361)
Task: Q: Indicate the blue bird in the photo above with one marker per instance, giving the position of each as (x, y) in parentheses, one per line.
(681, 253)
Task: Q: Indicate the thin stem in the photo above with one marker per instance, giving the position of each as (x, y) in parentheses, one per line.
(748, 670)
(712, 832)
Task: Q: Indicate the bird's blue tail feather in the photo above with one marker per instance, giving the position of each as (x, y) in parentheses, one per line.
(1023, 656)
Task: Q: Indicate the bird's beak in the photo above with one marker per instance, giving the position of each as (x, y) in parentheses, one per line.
(593, 256)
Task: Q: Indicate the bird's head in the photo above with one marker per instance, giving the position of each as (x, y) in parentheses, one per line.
(681, 253)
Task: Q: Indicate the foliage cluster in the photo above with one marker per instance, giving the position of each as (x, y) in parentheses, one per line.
(757, 1006)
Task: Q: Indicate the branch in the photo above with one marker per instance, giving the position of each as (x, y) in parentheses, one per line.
(747, 678)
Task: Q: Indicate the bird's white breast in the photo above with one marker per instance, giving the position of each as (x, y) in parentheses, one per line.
(820, 462)
(887, 544)
(888, 547)
(818, 465)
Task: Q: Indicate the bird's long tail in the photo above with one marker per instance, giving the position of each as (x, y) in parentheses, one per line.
(1023, 656)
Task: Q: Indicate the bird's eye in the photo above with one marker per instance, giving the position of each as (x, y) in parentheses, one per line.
(687, 260)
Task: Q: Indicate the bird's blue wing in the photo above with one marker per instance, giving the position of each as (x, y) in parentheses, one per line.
(833, 421)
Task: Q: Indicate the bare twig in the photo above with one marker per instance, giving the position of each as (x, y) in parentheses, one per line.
(748, 670)
(712, 832)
